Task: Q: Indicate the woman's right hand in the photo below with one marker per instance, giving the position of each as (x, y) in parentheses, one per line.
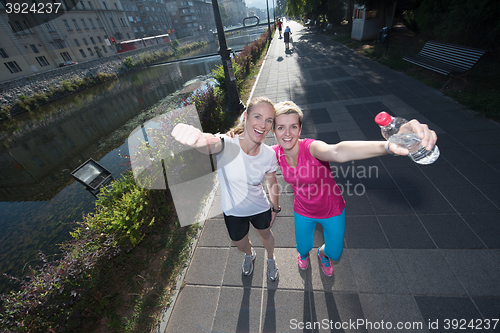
(193, 137)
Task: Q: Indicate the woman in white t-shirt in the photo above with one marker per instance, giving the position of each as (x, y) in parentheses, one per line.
(243, 161)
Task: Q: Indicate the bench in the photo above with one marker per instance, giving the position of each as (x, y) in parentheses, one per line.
(447, 59)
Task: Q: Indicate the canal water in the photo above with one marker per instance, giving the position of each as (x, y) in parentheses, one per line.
(40, 201)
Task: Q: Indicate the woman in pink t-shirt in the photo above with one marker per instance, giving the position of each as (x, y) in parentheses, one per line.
(305, 166)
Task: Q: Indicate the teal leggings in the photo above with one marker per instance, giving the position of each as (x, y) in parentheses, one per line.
(333, 232)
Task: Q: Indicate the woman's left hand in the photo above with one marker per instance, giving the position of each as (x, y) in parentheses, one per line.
(273, 217)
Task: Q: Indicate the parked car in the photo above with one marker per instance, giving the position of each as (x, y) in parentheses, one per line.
(67, 63)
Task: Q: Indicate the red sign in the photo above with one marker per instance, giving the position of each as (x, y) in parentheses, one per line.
(112, 39)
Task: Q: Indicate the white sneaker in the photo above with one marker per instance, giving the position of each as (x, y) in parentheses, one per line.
(272, 270)
(247, 266)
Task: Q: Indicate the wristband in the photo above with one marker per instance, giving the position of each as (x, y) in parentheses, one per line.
(276, 210)
(386, 146)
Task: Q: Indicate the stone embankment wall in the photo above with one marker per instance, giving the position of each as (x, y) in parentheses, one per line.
(42, 82)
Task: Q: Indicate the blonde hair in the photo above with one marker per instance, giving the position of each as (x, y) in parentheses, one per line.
(287, 107)
(239, 127)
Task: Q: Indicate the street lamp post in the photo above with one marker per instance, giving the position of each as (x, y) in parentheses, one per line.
(234, 104)
(268, 21)
(274, 14)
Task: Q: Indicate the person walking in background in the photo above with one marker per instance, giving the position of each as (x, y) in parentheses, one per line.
(243, 161)
(280, 26)
(286, 36)
(305, 166)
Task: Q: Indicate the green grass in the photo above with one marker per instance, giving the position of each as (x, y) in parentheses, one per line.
(481, 93)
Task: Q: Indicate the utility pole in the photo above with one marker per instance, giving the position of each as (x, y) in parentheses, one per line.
(234, 104)
(268, 21)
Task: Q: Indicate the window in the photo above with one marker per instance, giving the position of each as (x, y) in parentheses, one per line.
(90, 5)
(83, 53)
(84, 25)
(90, 51)
(116, 6)
(75, 24)
(147, 9)
(92, 40)
(99, 39)
(122, 22)
(3, 54)
(77, 43)
(66, 56)
(92, 23)
(99, 23)
(59, 44)
(42, 61)
(112, 22)
(13, 67)
(104, 5)
(28, 29)
(142, 29)
(19, 27)
(131, 19)
(67, 25)
(48, 26)
(33, 47)
(135, 29)
(85, 41)
(104, 49)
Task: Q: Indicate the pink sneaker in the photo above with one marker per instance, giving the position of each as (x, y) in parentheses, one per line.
(303, 262)
(326, 264)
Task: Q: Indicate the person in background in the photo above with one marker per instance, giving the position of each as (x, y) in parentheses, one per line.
(280, 26)
(286, 36)
(243, 161)
(305, 166)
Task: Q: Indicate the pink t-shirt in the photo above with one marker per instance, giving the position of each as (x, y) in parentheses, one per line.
(316, 192)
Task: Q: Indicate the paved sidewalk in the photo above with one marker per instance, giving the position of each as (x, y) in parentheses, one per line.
(422, 243)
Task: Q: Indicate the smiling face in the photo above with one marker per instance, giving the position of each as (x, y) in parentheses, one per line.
(287, 130)
(259, 121)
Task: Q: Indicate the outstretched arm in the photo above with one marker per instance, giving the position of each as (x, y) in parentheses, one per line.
(205, 143)
(358, 150)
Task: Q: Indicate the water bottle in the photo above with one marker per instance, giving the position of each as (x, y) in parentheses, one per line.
(404, 136)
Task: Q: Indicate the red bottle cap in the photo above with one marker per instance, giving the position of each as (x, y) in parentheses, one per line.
(383, 118)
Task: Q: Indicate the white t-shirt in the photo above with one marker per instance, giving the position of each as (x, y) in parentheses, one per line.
(241, 175)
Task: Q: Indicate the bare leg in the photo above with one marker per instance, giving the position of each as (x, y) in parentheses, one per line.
(244, 245)
(267, 238)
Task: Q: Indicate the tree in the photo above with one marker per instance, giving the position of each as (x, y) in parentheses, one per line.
(466, 22)
(314, 9)
(382, 7)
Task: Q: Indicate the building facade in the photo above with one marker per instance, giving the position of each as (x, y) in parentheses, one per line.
(191, 17)
(148, 17)
(236, 10)
(36, 42)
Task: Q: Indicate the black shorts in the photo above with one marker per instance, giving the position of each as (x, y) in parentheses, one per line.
(238, 227)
